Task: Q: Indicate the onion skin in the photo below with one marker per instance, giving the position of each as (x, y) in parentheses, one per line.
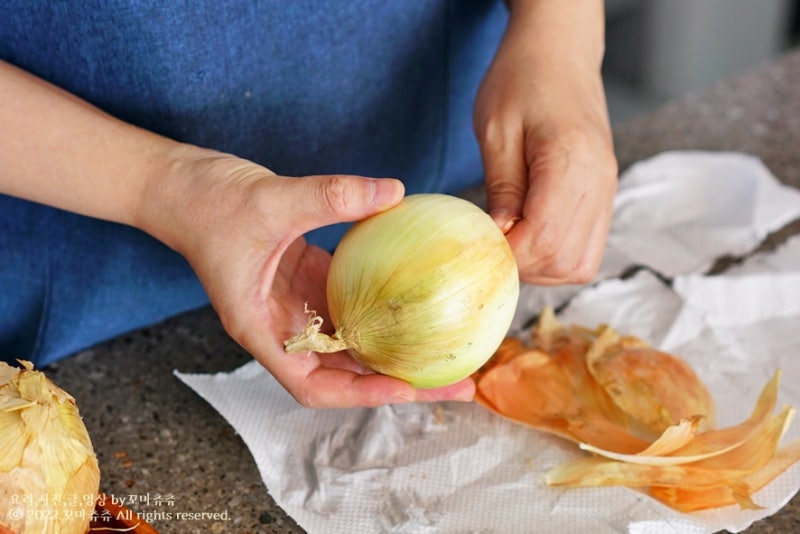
(640, 412)
(46, 457)
(424, 292)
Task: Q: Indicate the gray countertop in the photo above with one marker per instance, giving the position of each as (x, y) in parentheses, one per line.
(156, 439)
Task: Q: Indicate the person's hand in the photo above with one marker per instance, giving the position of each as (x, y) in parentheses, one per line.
(542, 124)
(240, 227)
(238, 224)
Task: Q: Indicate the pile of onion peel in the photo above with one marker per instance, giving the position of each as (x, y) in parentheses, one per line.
(644, 416)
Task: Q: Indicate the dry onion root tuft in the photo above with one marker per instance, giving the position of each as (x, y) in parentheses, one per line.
(49, 477)
(643, 414)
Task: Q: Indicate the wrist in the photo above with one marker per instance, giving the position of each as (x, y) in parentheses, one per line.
(166, 196)
(191, 191)
(559, 32)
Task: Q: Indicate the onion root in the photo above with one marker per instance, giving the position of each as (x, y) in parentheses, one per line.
(311, 339)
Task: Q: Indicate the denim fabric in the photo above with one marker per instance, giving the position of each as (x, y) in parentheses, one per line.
(70, 281)
(369, 87)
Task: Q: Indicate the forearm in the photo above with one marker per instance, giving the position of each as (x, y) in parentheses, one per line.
(572, 30)
(60, 151)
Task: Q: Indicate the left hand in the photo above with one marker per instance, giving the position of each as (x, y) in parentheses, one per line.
(240, 226)
(542, 124)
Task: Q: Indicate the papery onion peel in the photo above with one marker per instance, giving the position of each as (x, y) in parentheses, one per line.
(47, 463)
(643, 414)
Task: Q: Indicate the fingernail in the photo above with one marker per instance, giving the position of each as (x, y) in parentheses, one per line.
(510, 224)
(503, 219)
(384, 192)
(465, 396)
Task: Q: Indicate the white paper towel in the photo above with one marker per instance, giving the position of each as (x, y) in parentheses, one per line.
(678, 211)
(453, 467)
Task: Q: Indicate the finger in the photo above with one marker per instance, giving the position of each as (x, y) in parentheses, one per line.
(583, 252)
(563, 239)
(578, 256)
(316, 201)
(336, 388)
(463, 390)
(505, 176)
(549, 209)
(342, 360)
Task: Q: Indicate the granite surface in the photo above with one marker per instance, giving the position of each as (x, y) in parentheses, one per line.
(160, 444)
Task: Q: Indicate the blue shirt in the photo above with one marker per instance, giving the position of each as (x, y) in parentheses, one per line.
(380, 88)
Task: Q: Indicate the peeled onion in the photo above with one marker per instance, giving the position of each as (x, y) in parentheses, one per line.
(424, 292)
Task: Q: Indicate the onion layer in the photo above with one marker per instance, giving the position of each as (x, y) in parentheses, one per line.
(424, 292)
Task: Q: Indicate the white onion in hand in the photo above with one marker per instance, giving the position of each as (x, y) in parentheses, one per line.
(424, 292)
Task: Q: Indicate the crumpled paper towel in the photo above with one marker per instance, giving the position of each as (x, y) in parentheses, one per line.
(453, 467)
(678, 211)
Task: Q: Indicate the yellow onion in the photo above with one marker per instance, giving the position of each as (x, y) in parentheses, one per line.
(424, 292)
(49, 477)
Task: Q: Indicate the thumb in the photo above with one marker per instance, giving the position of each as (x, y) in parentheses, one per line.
(506, 184)
(328, 199)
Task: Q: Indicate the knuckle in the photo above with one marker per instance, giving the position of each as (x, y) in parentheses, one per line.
(501, 189)
(565, 271)
(548, 243)
(560, 272)
(486, 130)
(582, 274)
(307, 399)
(578, 148)
(337, 194)
(496, 134)
(304, 393)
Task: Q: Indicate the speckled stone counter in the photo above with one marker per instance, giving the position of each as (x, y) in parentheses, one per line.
(162, 445)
